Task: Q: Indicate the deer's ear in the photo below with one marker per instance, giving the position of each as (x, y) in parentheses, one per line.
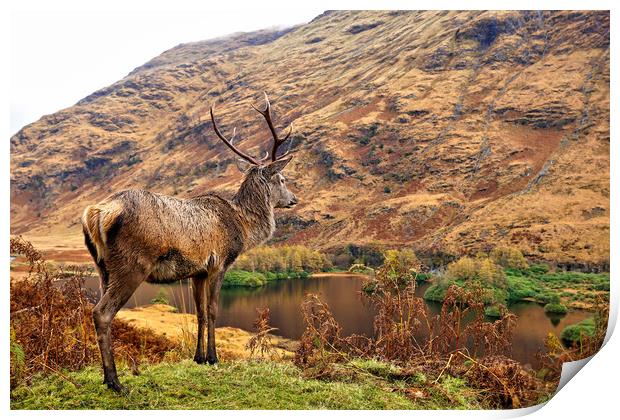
(243, 165)
(277, 166)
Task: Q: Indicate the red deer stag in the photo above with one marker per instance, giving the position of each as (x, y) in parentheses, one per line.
(137, 236)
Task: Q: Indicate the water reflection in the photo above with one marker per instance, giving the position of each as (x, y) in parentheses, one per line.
(350, 309)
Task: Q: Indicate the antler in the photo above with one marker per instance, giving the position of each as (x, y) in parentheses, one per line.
(277, 141)
(229, 143)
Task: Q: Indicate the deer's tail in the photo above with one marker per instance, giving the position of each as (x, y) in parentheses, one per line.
(92, 233)
(96, 221)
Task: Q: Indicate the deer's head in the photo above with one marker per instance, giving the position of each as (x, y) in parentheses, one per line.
(264, 175)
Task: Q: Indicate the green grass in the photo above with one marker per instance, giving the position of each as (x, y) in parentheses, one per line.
(161, 297)
(436, 292)
(492, 295)
(555, 308)
(236, 385)
(283, 275)
(492, 311)
(536, 283)
(236, 278)
(422, 276)
(241, 278)
(572, 334)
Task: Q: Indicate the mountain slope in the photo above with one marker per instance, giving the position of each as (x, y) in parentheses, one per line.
(447, 131)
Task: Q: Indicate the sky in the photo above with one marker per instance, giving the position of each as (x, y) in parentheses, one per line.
(59, 57)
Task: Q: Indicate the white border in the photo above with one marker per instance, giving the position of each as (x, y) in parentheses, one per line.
(593, 394)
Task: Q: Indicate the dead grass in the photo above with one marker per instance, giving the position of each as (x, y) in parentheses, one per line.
(179, 327)
(51, 323)
(261, 344)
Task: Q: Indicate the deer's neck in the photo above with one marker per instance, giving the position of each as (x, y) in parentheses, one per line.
(257, 216)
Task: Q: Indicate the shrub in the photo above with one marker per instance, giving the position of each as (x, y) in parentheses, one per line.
(422, 276)
(235, 278)
(601, 286)
(400, 265)
(397, 349)
(480, 272)
(161, 297)
(490, 274)
(260, 342)
(436, 292)
(492, 311)
(555, 308)
(494, 295)
(519, 288)
(539, 269)
(509, 257)
(547, 297)
(462, 269)
(360, 268)
(574, 334)
(369, 286)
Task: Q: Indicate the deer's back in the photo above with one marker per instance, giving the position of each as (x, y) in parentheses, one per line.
(174, 238)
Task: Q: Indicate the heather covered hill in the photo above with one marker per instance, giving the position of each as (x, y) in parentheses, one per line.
(448, 131)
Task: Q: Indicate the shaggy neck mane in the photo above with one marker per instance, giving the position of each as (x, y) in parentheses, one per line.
(252, 199)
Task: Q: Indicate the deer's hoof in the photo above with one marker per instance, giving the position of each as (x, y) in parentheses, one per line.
(201, 360)
(116, 386)
(212, 361)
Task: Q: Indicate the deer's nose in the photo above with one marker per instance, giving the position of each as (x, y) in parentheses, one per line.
(294, 200)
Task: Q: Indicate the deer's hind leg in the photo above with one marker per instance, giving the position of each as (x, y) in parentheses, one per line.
(199, 286)
(122, 284)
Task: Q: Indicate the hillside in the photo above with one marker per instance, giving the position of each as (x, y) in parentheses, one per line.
(446, 131)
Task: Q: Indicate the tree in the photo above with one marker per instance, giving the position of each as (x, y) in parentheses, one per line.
(509, 257)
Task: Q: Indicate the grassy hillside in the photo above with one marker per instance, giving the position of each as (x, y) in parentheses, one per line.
(234, 385)
(447, 131)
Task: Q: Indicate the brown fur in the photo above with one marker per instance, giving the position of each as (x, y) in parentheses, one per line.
(97, 220)
(137, 236)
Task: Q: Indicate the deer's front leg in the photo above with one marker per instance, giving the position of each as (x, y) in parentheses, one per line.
(199, 288)
(214, 294)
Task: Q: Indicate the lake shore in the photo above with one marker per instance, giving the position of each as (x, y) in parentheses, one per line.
(337, 274)
(182, 327)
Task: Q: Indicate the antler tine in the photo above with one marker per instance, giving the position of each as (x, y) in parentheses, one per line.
(277, 141)
(229, 143)
(290, 130)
